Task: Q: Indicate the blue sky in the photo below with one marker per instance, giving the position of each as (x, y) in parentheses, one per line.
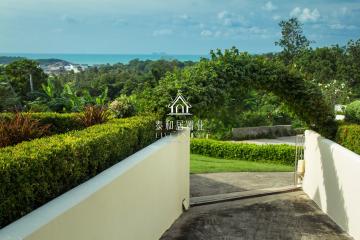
(171, 26)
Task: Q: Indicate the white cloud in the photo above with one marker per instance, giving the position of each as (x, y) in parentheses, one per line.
(162, 32)
(276, 17)
(222, 14)
(206, 33)
(229, 19)
(269, 6)
(305, 14)
(339, 26)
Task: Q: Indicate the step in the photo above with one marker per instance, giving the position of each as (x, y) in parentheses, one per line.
(203, 200)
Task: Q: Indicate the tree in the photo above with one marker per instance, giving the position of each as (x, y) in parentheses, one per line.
(293, 40)
(23, 75)
(215, 87)
(8, 98)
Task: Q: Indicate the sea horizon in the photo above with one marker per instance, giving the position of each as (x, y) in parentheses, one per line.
(103, 58)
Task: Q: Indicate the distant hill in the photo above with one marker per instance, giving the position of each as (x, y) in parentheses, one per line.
(7, 60)
(50, 61)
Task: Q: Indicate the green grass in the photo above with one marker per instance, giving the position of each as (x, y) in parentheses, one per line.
(204, 164)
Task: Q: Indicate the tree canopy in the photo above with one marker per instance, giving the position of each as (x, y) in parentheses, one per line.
(293, 41)
(215, 86)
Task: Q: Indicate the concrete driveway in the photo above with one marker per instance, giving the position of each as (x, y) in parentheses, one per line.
(282, 216)
(219, 183)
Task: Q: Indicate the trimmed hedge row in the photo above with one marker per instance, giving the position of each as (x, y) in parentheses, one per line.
(349, 137)
(283, 154)
(34, 172)
(60, 122)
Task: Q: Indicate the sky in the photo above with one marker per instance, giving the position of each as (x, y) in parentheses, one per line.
(168, 26)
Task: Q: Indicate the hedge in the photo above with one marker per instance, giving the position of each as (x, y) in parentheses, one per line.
(34, 172)
(349, 137)
(352, 112)
(284, 154)
(60, 122)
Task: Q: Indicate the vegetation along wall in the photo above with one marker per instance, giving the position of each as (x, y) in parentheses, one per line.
(34, 172)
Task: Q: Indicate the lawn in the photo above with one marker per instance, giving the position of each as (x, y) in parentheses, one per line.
(203, 164)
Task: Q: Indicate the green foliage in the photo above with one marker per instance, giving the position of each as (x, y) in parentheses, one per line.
(352, 112)
(331, 68)
(21, 128)
(32, 173)
(336, 92)
(134, 77)
(293, 40)
(59, 122)
(122, 106)
(254, 119)
(349, 137)
(94, 115)
(283, 154)
(9, 100)
(214, 88)
(18, 75)
(66, 99)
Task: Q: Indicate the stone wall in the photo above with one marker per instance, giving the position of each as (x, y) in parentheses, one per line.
(262, 132)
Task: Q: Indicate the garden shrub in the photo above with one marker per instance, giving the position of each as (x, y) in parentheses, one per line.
(34, 172)
(352, 112)
(349, 137)
(59, 122)
(21, 128)
(283, 154)
(254, 119)
(122, 106)
(94, 114)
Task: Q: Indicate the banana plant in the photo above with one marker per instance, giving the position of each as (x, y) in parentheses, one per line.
(101, 100)
(49, 89)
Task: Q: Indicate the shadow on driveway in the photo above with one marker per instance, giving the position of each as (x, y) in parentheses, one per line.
(282, 216)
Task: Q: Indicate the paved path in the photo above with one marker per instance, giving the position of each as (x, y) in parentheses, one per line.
(283, 216)
(280, 140)
(219, 183)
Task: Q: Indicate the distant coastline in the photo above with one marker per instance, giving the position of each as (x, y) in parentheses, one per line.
(95, 59)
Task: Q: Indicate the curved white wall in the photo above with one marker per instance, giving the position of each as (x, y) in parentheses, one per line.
(332, 180)
(137, 199)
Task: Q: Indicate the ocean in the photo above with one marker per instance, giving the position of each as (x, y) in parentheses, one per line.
(92, 59)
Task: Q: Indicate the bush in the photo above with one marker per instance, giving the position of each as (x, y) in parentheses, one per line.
(352, 112)
(254, 119)
(283, 154)
(21, 128)
(59, 122)
(349, 137)
(34, 172)
(122, 107)
(94, 115)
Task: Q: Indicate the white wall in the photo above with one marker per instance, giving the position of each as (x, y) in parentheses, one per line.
(332, 180)
(138, 198)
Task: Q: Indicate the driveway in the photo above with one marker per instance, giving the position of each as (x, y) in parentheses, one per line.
(281, 216)
(219, 183)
